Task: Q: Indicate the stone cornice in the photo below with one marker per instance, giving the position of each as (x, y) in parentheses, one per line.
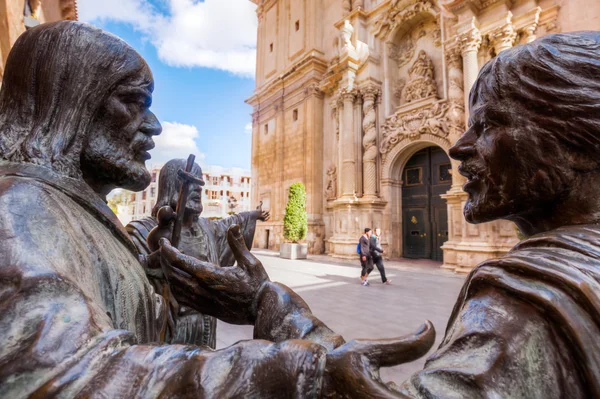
(313, 63)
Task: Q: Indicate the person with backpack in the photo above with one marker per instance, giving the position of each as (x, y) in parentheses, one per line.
(377, 255)
(366, 261)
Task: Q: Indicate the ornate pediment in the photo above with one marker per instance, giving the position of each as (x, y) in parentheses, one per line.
(430, 117)
(399, 12)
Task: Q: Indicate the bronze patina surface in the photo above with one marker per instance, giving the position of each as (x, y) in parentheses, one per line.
(80, 318)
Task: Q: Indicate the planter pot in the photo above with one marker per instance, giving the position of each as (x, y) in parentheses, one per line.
(293, 251)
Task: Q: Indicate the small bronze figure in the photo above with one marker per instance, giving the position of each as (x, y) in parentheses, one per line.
(203, 239)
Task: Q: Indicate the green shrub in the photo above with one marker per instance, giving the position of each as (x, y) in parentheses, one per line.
(294, 221)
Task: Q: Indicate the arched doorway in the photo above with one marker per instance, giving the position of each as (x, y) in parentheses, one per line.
(426, 176)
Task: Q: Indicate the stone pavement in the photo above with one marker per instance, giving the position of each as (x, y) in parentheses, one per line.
(419, 291)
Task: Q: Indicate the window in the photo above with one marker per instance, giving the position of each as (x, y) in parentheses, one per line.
(242, 194)
(271, 47)
(215, 180)
(295, 115)
(132, 198)
(152, 192)
(227, 193)
(144, 196)
(414, 176)
(267, 128)
(153, 177)
(445, 173)
(213, 195)
(221, 193)
(297, 26)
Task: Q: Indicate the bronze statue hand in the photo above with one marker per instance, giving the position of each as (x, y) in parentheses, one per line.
(263, 216)
(228, 293)
(352, 370)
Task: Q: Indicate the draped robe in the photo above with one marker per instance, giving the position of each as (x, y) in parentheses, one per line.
(525, 326)
(79, 318)
(206, 241)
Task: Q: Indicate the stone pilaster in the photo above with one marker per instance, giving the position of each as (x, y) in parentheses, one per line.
(369, 141)
(469, 42)
(348, 177)
(456, 111)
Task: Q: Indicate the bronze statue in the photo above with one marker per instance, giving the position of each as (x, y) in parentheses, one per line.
(78, 316)
(202, 238)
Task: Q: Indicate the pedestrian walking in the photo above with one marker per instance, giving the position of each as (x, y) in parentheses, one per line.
(366, 261)
(377, 255)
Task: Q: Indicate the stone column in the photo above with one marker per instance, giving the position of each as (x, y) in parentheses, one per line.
(369, 141)
(503, 38)
(469, 43)
(347, 145)
(456, 111)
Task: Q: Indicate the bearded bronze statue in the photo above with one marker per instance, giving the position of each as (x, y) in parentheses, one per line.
(79, 317)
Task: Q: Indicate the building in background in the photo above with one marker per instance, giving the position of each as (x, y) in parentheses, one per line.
(361, 99)
(227, 191)
(18, 15)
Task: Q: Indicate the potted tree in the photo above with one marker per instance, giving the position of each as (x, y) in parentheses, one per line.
(295, 224)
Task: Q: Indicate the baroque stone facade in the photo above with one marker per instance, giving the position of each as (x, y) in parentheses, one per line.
(348, 92)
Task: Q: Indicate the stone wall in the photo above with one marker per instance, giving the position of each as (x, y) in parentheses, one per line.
(386, 78)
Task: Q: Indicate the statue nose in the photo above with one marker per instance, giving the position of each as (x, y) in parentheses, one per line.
(151, 126)
(464, 148)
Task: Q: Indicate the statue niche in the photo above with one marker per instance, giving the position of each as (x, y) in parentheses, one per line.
(331, 187)
(422, 84)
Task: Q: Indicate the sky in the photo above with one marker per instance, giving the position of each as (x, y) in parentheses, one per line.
(203, 55)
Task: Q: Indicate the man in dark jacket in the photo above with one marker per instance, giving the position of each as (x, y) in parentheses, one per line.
(377, 255)
(366, 261)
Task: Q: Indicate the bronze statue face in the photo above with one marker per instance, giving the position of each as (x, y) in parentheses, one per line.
(169, 185)
(121, 135)
(531, 150)
(194, 202)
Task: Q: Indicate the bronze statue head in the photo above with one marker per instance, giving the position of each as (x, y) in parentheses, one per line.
(169, 185)
(531, 153)
(76, 99)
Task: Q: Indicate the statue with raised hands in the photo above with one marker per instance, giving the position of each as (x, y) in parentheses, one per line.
(201, 238)
(78, 314)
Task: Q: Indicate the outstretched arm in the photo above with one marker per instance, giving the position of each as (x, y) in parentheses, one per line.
(246, 221)
(244, 295)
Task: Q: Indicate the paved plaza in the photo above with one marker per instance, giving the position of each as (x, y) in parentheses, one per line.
(420, 291)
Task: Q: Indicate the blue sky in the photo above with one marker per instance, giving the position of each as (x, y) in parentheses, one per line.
(202, 55)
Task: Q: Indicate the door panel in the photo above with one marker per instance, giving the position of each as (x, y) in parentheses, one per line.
(426, 176)
(415, 234)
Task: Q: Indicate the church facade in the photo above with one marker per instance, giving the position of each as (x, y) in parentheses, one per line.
(361, 100)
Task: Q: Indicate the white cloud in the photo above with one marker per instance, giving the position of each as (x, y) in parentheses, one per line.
(176, 141)
(248, 128)
(218, 34)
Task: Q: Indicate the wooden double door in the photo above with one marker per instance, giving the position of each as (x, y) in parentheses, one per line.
(425, 177)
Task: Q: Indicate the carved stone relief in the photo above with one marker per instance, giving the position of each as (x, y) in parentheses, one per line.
(399, 88)
(421, 84)
(399, 13)
(402, 53)
(432, 119)
(331, 186)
